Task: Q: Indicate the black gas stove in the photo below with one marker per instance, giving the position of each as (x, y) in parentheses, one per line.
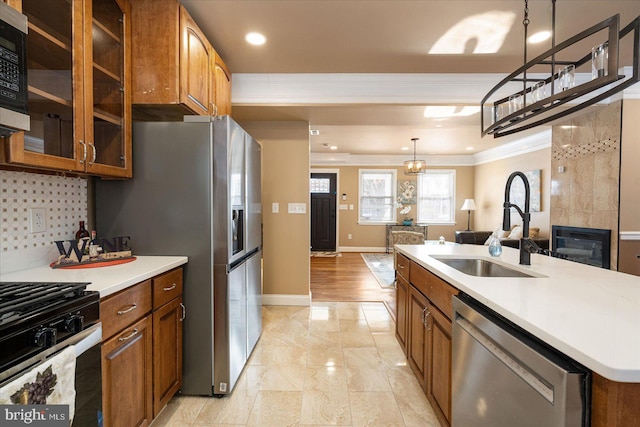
(35, 316)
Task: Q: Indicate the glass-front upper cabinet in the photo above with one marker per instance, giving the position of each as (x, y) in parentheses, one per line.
(109, 148)
(78, 62)
(55, 87)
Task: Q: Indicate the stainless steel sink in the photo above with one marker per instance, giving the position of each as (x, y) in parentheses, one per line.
(481, 267)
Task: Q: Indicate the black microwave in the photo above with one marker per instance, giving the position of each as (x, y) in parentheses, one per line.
(13, 71)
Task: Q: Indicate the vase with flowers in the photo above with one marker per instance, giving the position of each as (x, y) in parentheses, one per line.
(405, 211)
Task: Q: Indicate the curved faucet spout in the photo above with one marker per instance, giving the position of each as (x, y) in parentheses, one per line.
(525, 254)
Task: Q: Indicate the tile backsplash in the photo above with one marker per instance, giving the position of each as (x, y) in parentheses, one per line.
(65, 202)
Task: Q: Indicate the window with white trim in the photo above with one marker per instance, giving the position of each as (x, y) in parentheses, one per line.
(377, 195)
(436, 196)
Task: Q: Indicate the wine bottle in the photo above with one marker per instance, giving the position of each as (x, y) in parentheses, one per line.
(82, 232)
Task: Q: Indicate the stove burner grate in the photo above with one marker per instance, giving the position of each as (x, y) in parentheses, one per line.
(26, 296)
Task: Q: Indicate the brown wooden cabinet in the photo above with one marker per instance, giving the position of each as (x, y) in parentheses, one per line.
(176, 70)
(141, 349)
(221, 86)
(78, 61)
(418, 337)
(429, 329)
(127, 370)
(439, 364)
(127, 376)
(167, 337)
(402, 298)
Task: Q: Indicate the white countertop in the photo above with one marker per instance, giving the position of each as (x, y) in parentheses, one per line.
(106, 280)
(590, 314)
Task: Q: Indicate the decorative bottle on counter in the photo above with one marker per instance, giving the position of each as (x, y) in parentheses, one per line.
(82, 232)
(495, 247)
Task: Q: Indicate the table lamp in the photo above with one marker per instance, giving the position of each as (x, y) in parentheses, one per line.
(468, 205)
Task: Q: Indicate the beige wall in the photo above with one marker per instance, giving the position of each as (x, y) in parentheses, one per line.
(629, 170)
(372, 237)
(490, 180)
(285, 179)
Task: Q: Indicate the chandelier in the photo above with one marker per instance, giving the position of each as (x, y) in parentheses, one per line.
(414, 167)
(542, 92)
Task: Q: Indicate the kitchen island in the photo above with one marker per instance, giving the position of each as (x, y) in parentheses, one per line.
(590, 314)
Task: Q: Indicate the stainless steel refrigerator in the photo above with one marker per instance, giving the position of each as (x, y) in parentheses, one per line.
(196, 192)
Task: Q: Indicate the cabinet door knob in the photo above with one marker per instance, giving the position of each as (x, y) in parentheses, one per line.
(133, 307)
(131, 335)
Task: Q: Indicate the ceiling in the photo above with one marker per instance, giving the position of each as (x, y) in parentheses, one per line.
(460, 39)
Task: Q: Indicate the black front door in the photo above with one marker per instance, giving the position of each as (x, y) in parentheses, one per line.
(323, 211)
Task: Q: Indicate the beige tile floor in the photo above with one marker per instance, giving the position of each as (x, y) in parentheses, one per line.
(331, 364)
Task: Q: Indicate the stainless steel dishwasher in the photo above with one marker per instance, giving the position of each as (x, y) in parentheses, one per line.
(504, 377)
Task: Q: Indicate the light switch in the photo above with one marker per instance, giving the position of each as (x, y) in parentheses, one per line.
(297, 208)
(350, 207)
(275, 207)
(344, 207)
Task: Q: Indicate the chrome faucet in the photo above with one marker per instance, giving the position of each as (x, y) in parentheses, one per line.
(527, 246)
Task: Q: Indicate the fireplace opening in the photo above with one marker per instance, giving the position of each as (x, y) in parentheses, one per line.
(591, 246)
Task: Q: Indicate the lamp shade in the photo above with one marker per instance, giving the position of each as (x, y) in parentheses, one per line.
(468, 205)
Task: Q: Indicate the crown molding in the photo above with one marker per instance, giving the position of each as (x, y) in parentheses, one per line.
(360, 88)
(538, 141)
(528, 144)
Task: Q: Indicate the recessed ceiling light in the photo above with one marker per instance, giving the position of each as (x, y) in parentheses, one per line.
(314, 132)
(333, 147)
(255, 39)
(540, 36)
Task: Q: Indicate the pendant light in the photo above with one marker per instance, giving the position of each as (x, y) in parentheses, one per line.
(414, 167)
(537, 102)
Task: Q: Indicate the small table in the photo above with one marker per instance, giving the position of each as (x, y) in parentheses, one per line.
(420, 228)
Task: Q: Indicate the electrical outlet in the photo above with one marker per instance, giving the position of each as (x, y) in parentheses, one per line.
(349, 236)
(37, 222)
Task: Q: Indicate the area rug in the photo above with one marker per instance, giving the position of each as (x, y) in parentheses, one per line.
(381, 265)
(324, 254)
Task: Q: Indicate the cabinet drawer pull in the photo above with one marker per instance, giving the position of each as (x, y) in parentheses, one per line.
(426, 320)
(184, 312)
(95, 153)
(133, 307)
(131, 335)
(170, 288)
(84, 151)
(401, 266)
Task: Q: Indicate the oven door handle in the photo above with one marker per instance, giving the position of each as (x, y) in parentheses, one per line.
(83, 341)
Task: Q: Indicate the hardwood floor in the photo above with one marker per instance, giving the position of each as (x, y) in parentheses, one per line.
(347, 278)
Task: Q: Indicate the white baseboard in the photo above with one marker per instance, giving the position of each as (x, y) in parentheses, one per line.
(282, 299)
(629, 235)
(361, 249)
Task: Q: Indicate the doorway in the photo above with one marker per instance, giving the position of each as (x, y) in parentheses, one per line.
(323, 189)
